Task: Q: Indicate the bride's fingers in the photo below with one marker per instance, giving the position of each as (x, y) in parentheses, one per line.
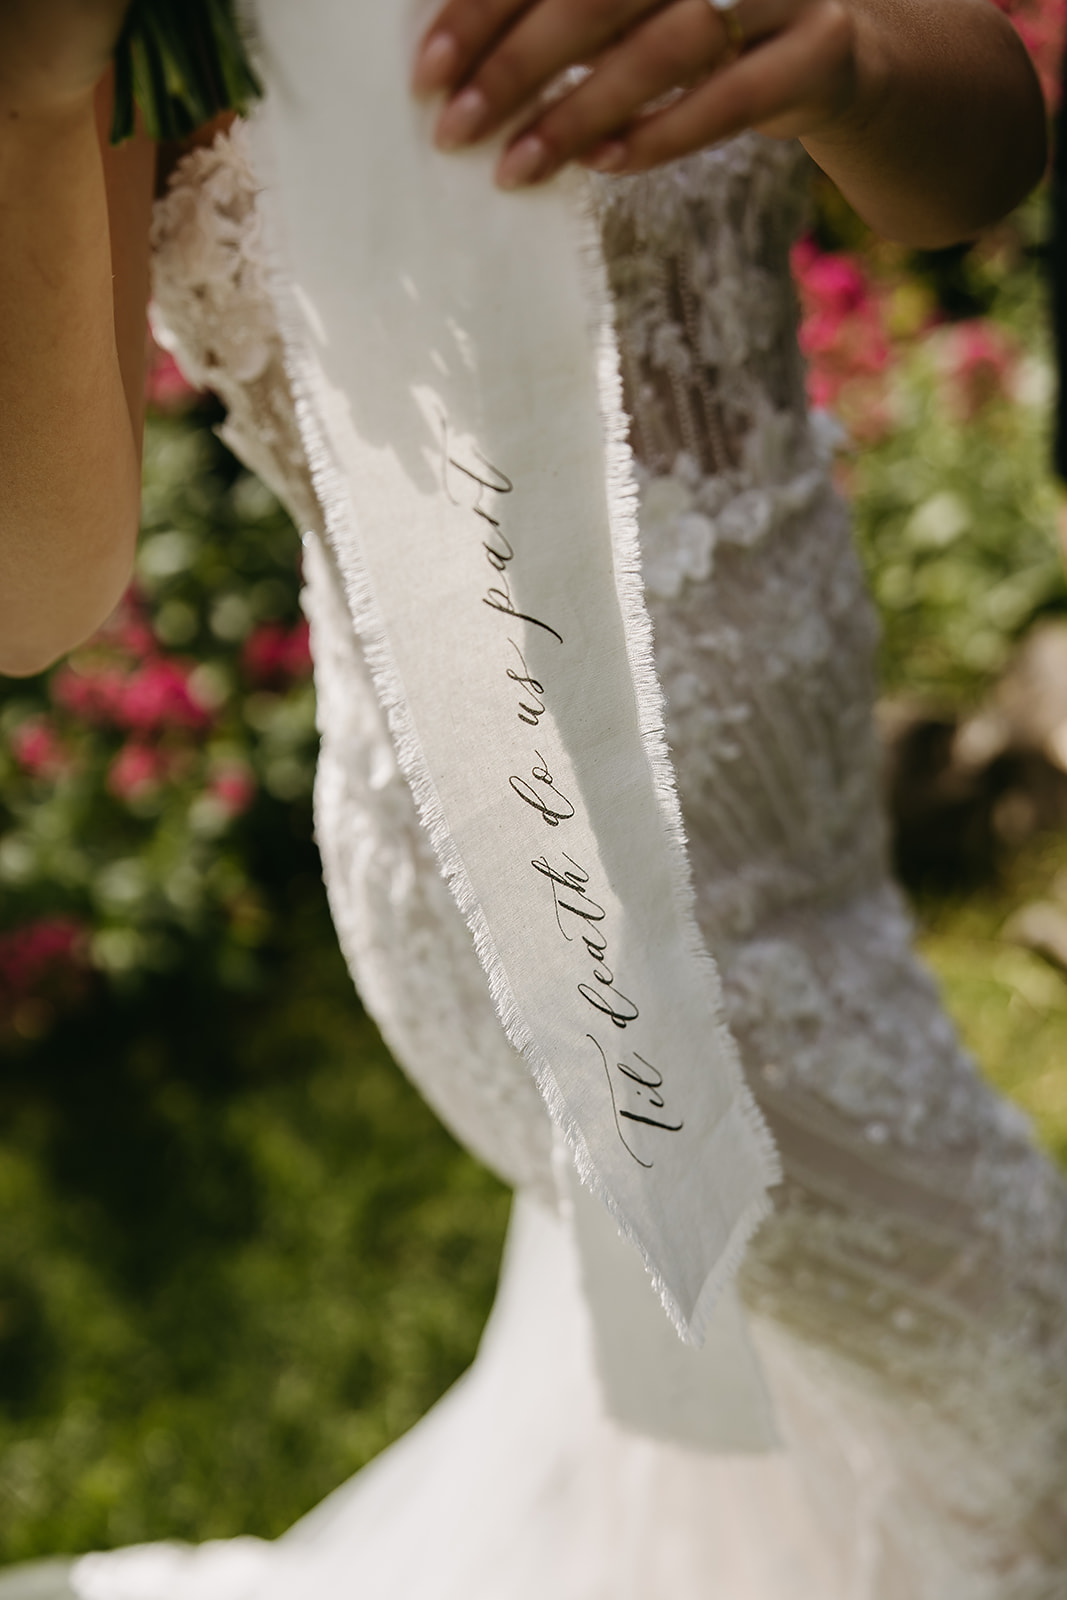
(789, 85)
(671, 49)
(459, 35)
(533, 49)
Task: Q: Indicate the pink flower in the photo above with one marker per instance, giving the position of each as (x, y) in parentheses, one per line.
(91, 691)
(835, 283)
(37, 951)
(38, 749)
(166, 387)
(133, 635)
(137, 771)
(844, 336)
(274, 655)
(157, 695)
(979, 361)
(233, 785)
(1041, 26)
(40, 963)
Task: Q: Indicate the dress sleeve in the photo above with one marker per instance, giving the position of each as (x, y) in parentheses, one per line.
(212, 308)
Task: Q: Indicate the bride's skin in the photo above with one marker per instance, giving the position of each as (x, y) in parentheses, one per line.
(927, 116)
(926, 112)
(73, 284)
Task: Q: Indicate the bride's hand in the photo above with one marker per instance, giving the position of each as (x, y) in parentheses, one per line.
(53, 53)
(785, 66)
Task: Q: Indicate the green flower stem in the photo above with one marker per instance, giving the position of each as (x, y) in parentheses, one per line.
(181, 63)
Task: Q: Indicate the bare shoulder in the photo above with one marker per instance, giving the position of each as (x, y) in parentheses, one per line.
(130, 177)
(135, 173)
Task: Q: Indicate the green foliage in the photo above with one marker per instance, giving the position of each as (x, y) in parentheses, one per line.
(238, 1256)
(947, 399)
(956, 505)
(181, 63)
(151, 786)
(957, 529)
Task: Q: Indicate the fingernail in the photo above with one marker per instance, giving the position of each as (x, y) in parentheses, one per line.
(523, 163)
(608, 157)
(437, 60)
(461, 119)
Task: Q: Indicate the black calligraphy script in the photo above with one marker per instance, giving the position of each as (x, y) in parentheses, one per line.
(635, 1098)
(638, 1103)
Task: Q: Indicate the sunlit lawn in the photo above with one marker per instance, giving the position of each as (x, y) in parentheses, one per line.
(1010, 1004)
(238, 1256)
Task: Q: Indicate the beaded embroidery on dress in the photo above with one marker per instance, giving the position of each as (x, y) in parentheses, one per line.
(909, 1294)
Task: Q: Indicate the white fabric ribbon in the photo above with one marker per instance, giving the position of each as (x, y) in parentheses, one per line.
(457, 379)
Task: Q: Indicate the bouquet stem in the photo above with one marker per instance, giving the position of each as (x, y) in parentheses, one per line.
(181, 63)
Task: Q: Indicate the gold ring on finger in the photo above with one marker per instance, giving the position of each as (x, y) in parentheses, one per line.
(726, 11)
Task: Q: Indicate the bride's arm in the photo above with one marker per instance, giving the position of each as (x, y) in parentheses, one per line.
(927, 113)
(943, 130)
(73, 285)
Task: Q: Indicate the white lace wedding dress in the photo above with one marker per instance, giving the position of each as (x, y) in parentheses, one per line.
(909, 1294)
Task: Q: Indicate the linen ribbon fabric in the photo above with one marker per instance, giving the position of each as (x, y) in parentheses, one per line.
(455, 369)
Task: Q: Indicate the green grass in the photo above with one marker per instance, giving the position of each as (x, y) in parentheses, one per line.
(238, 1255)
(1009, 1003)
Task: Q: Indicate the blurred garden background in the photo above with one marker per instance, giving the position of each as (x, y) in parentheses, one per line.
(237, 1254)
